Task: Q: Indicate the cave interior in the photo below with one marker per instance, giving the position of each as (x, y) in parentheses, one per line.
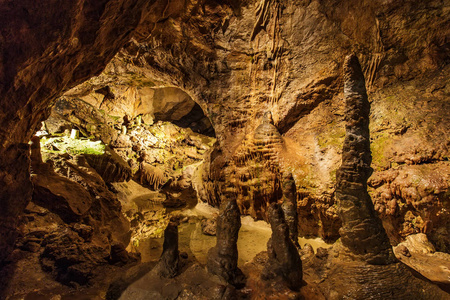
(204, 149)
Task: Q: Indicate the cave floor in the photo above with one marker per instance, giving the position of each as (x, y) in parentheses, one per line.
(30, 282)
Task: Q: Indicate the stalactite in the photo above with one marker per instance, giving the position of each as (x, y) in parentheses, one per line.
(371, 68)
(151, 176)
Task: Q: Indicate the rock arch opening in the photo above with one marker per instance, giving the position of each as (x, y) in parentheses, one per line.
(237, 60)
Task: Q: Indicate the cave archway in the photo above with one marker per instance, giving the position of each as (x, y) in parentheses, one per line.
(236, 66)
(101, 180)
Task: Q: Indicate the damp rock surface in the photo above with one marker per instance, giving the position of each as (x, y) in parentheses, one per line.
(362, 231)
(284, 260)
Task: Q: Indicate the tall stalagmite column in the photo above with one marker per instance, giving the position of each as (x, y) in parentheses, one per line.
(362, 232)
(169, 262)
(223, 258)
(284, 260)
(289, 206)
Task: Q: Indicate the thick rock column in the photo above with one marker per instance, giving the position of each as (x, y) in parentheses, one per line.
(289, 207)
(284, 259)
(362, 232)
(223, 258)
(169, 262)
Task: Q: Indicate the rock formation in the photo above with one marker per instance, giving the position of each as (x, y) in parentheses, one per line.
(267, 139)
(289, 207)
(35, 68)
(361, 265)
(223, 258)
(256, 169)
(236, 59)
(282, 58)
(419, 254)
(151, 176)
(110, 166)
(169, 263)
(35, 150)
(362, 232)
(284, 259)
(74, 222)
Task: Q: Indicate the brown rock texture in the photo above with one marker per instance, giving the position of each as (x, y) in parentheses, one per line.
(238, 60)
(354, 280)
(289, 207)
(284, 260)
(418, 253)
(254, 170)
(362, 232)
(223, 258)
(286, 58)
(74, 222)
(110, 166)
(47, 49)
(413, 199)
(169, 262)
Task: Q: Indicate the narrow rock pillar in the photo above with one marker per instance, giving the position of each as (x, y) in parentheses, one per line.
(169, 262)
(284, 260)
(223, 258)
(289, 207)
(362, 232)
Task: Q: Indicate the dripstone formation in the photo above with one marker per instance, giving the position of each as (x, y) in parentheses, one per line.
(267, 138)
(169, 263)
(222, 259)
(362, 232)
(289, 207)
(284, 260)
(256, 169)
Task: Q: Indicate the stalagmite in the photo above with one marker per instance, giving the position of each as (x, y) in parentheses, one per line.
(169, 262)
(289, 207)
(223, 258)
(284, 259)
(362, 232)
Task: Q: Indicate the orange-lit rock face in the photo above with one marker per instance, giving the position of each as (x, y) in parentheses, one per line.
(47, 48)
(239, 59)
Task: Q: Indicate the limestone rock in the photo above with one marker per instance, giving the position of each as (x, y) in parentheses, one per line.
(418, 253)
(411, 199)
(110, 166)
(289, 207)
(362, 232)
(235, 59)
(169, 262)
(208, 227)
(222, 259)
(61, 195)
(284, 259)
(75, 113)
(70, 258)
(256, 169)
(151, 176)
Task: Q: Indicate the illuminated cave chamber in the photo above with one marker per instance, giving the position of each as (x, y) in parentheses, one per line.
(108, 165)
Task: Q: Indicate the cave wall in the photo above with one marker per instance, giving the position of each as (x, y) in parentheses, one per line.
(240, 60)
(237, 60)
(47, 48)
